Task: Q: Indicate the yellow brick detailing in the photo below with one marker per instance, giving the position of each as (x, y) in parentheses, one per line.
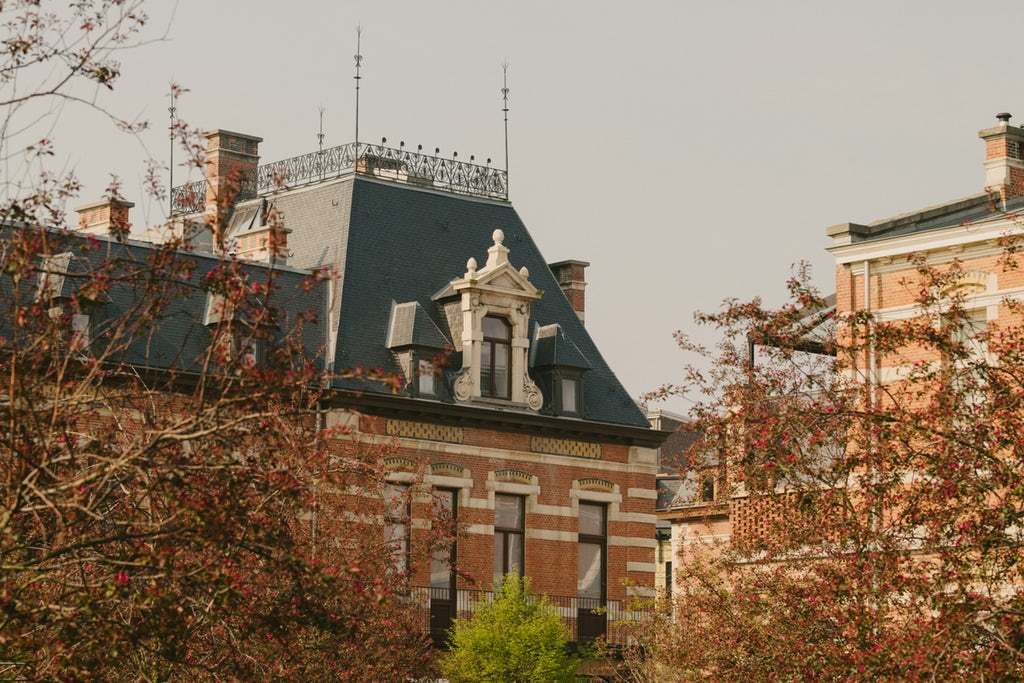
(515, 476)
(593, 484)
(447, 469)
(425, 431)
(579, 449)
(397, 464)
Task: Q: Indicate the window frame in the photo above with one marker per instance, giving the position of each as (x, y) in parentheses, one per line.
(492, 343)
(418, 363)
(506, 533)
(403, 490)
(601, 540)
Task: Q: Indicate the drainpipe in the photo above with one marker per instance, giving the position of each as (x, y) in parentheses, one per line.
(871, 345)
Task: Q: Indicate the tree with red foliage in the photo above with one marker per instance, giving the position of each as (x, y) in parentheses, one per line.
(188, 519)
(876, 528)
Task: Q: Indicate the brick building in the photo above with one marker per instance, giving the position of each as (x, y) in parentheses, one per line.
(507, 418)
(874, 272)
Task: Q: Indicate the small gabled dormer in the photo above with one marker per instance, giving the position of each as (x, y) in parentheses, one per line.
(488, 312)
(558, 364)
(417, 342)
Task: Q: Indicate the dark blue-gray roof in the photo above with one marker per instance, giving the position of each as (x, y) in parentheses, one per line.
(390, 242)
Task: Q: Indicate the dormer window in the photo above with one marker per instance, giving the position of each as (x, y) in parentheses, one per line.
(494, 356)
(559, 366)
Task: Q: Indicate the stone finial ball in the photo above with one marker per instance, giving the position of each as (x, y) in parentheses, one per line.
(471, 264)
(498, 236)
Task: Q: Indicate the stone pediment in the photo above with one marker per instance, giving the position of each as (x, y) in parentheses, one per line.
(498, 275)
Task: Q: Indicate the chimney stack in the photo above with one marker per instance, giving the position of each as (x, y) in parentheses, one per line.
(572, 278)
(1004, 158)
(105, 217)
(231, 162)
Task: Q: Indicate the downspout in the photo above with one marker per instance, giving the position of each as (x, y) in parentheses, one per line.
(871, 345)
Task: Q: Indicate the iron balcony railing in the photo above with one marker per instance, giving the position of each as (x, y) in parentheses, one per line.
(381, 161)
(587, 619)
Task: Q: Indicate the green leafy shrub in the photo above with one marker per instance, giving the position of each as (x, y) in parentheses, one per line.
(517, 638)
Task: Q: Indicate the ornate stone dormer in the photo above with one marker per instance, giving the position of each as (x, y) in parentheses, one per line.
(488, 310)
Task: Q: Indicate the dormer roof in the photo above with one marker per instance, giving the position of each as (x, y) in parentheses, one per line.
(552, 348)
(411, 326)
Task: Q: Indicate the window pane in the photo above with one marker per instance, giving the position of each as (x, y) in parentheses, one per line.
(426, 374)
(495, 328)
(395, 501)
(501, 370)
(499, 559)
(515, 553)
(568, 396)
(591, 519)
(589, 571)
(508, 511)
(486, 387)
(440, 568)
(440, 558)
(397, 540)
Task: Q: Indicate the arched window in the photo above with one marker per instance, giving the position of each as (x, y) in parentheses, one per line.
(494, 358)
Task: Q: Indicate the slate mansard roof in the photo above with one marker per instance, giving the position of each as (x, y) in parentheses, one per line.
(393, 244)
(180, 339)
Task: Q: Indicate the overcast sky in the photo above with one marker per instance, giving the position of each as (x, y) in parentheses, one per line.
(691, 151)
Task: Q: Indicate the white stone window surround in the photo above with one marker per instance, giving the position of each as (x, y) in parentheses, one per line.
(498, 290)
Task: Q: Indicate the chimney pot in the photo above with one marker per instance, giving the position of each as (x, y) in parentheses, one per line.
(1004, 116)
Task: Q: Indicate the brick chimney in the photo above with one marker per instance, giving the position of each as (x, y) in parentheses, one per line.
(1004, 158)
(572, 278)
(105, 217)
(231, 161)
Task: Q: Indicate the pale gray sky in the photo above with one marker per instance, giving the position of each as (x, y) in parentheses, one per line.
(689, 150)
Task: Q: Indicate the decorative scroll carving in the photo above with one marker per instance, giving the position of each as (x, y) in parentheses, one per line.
(464, 385)
(534, 398)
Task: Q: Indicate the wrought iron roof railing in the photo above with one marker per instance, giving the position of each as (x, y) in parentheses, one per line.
(188, 198)
(391, 163)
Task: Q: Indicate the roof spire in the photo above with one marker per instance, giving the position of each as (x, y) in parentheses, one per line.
(172, 110)
(358, 77)
(320, 141)
(504, 98)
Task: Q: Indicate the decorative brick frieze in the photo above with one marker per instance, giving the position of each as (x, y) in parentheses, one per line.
(425, 430)
(397, 464)
(579, 449)
(447, 469)
(594, 484)
(513, 476)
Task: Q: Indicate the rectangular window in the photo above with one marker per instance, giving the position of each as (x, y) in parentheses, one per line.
(569, 400)
(591, 560)
(668, 579)
(396, 528)
(591, 573)
(426, 377)
(509, 524)
(442, 560)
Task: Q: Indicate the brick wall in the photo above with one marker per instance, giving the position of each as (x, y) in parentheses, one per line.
(615, 477)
